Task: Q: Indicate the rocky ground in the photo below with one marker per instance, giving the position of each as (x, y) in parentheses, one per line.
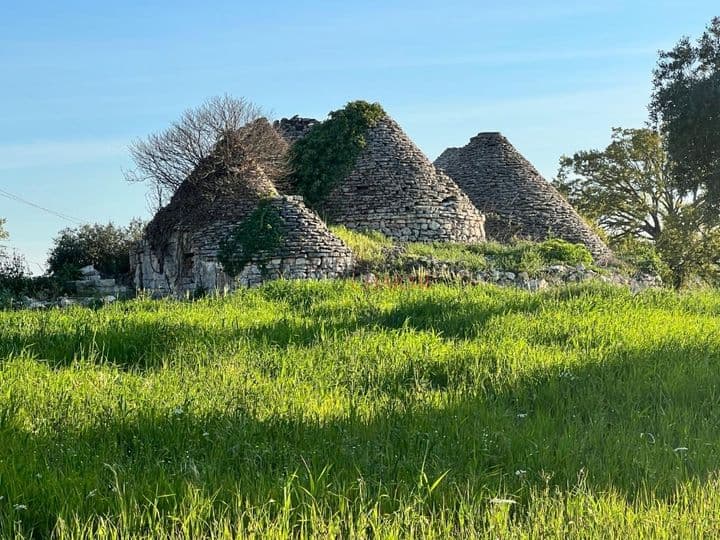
(91, 290)
(94, 291)
(431, 269)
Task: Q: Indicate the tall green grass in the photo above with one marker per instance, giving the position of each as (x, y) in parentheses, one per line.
(371, 250)
(337, 409)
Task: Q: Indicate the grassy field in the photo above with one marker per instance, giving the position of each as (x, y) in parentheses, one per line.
(342, 410)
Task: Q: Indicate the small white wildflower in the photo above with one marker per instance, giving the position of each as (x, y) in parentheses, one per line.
(206, 434)
(681, 449)
(20, 507)
(177, 411)
(522, 415)
(650, 436)
(502, 501)
(520, 473)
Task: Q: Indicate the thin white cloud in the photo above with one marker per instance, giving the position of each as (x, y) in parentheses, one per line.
(49, 153)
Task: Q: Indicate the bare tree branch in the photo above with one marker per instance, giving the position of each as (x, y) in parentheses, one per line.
(230, 131)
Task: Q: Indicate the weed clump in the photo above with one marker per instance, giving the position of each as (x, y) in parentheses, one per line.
(328, 152)
(261, 232)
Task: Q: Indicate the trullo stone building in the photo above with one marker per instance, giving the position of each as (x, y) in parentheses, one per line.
(516, 200)
(395, 189)
(179, 252)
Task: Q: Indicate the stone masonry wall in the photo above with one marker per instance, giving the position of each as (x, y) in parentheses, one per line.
(394, 189)
(309, 251)
(513, 195)
(292, 129)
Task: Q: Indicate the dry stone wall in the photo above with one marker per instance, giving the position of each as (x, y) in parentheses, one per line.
(394, 189)
(308, 251)
(292, 129)
(513, 195)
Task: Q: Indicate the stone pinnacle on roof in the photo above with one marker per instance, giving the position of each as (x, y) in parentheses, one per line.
(515, 198)
(292, 129)
(393, 188)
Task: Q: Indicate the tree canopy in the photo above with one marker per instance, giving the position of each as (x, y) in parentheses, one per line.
(686, 107)
(107, 247)
(3, 232)
(626, 188)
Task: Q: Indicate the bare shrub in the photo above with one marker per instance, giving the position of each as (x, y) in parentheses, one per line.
(229, 132)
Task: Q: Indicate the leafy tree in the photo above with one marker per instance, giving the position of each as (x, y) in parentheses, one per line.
(14, 274)
(107, 247)
(628, 190)
(686, 107)
(691, 247)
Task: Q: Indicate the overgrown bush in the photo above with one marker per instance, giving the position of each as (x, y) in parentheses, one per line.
(17, 282)
(328, 152)
(531, 257)
(261, 231)
(14, 278)
(642, 256)
(560, 251)
(107, 247)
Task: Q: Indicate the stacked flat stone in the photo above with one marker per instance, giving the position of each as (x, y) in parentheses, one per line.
(93, 284)
(189, 261)
(292, 129)
(393, 188)
(516, 199)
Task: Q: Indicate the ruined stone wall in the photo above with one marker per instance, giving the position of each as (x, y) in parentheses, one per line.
(394, 189)
(309, 251)
(292, 129)
(513, 195)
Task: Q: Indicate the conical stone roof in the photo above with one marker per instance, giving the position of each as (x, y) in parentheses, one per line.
(515, 198)
(179, 251)
(208, 195)
(305, 233)
(393, 188)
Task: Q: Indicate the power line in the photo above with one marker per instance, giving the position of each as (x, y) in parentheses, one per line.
(16, 198)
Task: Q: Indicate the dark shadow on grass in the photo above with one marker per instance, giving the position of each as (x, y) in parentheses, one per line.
(638, 421)
(459, 319)
(134, 343)
(124, 343)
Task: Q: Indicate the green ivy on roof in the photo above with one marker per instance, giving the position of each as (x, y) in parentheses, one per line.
(327, 154)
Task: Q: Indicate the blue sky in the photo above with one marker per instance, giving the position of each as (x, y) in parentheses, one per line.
(82, 79)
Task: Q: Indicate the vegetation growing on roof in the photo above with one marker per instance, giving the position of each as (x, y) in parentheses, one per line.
(261, 232)
(328, 152)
